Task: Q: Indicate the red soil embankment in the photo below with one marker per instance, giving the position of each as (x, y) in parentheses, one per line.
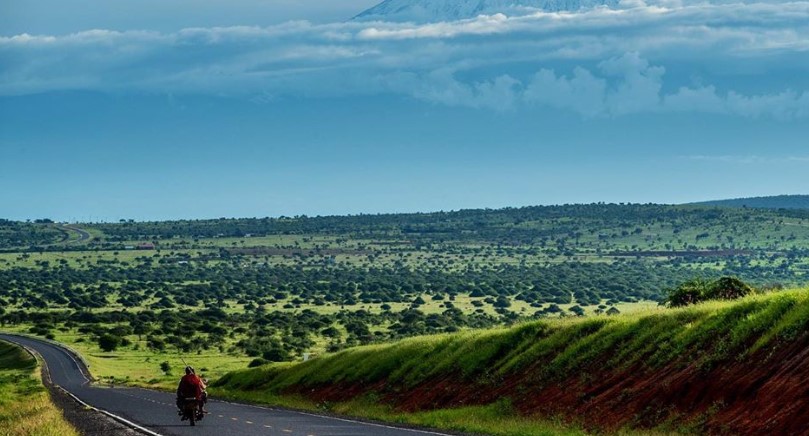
(765, 394)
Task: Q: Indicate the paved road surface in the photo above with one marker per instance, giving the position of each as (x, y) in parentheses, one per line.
(83, 234)
(156, 411)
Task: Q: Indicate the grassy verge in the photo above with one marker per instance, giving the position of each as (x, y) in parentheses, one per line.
(25, 406)
(494, 419)
(498, 418)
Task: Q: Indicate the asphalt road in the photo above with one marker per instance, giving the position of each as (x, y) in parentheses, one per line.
(83, 234)
(156, 410)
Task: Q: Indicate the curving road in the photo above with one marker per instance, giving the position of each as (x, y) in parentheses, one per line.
(156, 412)
(84, 235)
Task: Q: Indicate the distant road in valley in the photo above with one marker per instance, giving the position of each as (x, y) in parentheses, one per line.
(83, 234)
(156, 412)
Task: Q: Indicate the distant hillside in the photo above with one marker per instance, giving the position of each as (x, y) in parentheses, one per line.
(508, 225)
(773, 202)
(720, 368)
(24, 234)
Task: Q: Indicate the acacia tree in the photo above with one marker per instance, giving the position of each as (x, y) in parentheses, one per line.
(698, 290)
(689, 292)
(728, 288)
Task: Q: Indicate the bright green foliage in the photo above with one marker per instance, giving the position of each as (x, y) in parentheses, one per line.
(706, 334)
(498, 418)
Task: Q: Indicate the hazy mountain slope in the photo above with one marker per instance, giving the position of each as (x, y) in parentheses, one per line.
(773, 202)
(448, 10)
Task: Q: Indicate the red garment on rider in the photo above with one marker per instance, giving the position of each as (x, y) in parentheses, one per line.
(191, 386)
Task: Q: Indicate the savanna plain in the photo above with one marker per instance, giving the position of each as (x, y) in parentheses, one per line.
(616, 318)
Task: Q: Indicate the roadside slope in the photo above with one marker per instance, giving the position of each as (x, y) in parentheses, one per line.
(722, 367)
(25, 406)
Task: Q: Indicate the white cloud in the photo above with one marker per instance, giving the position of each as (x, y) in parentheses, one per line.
(750, 58)
(583, 92)
(440, 86)
(785, 105)
(638, 87)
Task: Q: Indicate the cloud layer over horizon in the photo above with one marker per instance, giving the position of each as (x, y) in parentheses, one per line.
(164, 114)
(745, 60)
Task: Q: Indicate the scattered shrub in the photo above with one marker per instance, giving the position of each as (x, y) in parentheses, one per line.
(257, 362)
(698, 290)
(108, 342)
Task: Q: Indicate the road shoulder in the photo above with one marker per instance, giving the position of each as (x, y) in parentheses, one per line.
(87, 421)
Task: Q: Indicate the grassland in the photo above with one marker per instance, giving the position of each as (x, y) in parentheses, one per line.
(137, 365)
(220, 294)
(223, 293)
(605, 371)
(25, 406)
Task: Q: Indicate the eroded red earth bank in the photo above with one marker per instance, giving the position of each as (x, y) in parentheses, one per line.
(763, 394)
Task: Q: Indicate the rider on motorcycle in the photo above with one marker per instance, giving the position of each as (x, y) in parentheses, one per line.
(191, 385)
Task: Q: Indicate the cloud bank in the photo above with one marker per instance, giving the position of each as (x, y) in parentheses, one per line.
(746, 60)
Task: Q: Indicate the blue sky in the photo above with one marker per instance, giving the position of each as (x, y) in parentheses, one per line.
(155, 110)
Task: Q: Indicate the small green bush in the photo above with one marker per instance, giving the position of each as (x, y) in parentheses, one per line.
(257, 362)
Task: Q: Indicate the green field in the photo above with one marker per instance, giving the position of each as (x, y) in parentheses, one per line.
(138, 365)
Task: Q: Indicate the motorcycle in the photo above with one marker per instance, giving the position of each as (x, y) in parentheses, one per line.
(190, 410)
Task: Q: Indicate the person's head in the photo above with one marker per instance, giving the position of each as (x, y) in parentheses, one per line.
(189, 370)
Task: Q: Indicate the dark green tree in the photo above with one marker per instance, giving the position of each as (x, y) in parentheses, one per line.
(108, 342)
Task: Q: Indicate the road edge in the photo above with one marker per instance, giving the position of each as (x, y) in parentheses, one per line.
(110, 415)
(58, 393)
(83, 365)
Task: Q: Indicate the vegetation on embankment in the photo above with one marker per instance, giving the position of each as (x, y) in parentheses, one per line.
(723, 367)
(25, 406)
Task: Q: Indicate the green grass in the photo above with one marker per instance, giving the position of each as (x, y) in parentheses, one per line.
(141, 367)
(25, 406)
(495, 419)
(498, 418)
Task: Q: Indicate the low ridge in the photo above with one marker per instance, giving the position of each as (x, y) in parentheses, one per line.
(770, 202)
